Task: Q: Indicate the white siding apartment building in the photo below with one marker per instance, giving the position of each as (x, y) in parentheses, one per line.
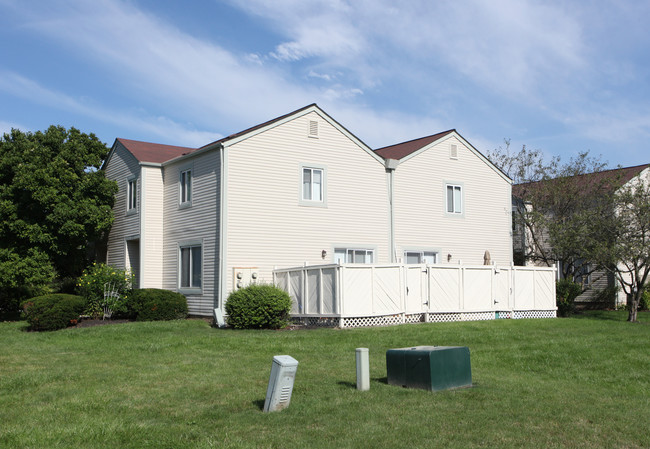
(299, 189)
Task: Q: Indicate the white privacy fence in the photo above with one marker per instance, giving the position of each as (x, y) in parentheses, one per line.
(351, 295)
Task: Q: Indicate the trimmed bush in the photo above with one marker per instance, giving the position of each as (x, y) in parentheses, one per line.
(566, 292)
(52, 312)
(258, 306)
(152, 304)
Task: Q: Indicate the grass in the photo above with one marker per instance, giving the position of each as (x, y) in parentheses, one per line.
(577, 382)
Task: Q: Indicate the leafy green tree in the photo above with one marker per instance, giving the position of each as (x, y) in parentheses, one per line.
(55, 203)
(552, 199)
(618, 239)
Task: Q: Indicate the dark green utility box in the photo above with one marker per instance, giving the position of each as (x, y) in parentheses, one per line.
(429, 367)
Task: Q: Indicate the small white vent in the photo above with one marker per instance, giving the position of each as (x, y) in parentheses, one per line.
(313, 128)
(453, 152)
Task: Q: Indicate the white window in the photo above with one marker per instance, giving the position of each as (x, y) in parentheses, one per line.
(312, 184)
(454, 199)
(131, 194)
(420, 257)
(190, 266)
(185, 187)
(351, 255)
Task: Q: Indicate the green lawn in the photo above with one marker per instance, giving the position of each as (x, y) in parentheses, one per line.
(579, 382)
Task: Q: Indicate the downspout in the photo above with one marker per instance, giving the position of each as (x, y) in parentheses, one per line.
(391, 166)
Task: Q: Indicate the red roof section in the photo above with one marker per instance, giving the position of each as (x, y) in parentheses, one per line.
(400, 150)
(615, 177)
(154, 152)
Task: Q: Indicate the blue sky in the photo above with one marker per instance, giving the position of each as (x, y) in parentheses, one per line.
(560, 76)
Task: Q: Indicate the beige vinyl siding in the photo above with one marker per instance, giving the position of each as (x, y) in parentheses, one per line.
(266, 224)
(151, 232)
(121, 167)
(197, 223)
(421, 220)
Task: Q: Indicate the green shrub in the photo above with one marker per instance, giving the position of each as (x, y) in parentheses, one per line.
(566, 291)
(152, 304)
(52, 312)
(94, 281)
(258, 306)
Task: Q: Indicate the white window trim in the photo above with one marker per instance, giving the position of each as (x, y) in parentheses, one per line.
(434, 251)
(131, 190)
(185, 203)
(313, 203)
(190, 244)
(455, 185)
(348, 248)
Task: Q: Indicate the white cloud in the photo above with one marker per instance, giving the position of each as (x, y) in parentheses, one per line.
(153, 59)
(364, 61)
(168, 130)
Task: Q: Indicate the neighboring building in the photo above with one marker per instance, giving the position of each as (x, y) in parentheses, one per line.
(299, 189)
(595, 281)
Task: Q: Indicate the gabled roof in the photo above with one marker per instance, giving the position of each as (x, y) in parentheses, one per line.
(153, 152)
(400, 150)
(613, 178)
(256, 127)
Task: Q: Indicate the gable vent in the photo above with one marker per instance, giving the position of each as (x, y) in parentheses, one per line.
(453, 152)
(313, 128)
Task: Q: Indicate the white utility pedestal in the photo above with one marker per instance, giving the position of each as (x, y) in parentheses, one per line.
(363, 369)
(283, 373)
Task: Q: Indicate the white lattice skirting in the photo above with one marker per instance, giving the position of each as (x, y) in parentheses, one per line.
(390, 320)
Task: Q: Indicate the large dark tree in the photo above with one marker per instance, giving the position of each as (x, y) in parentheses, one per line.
(55, 204)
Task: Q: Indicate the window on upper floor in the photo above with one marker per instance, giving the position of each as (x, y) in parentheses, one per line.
(420, 257)
(190, 266)
(313, 185)
(185, 186)
(352, 255)
(131, 194)
(454, 199)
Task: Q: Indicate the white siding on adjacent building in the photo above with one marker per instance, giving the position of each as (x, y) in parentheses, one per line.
(269, 225)
(122, 167)
(196, 223)
(421, 217)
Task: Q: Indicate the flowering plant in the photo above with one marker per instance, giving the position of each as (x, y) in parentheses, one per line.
(94, 282)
